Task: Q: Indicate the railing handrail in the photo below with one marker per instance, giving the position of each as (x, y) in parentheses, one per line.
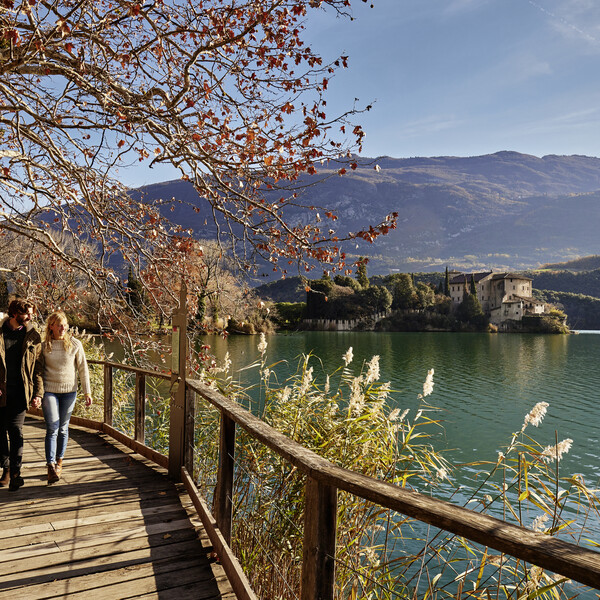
(575, 562)
(148, 372)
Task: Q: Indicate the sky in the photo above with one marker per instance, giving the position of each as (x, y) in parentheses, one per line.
(465, 77)
(472, 77)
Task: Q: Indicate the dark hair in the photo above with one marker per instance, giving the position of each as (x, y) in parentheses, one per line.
(19, 306)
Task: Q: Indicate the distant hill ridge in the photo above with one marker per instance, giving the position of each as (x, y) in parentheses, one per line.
(587, 263)
(507, 210)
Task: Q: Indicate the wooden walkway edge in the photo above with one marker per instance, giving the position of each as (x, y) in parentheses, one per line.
(114, 527)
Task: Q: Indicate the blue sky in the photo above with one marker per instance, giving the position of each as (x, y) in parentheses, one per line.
(471, 77)
(464, 77)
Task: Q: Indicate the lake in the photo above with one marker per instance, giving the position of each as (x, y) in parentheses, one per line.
(485, 384)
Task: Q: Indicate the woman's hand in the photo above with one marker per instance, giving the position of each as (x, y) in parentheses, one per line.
(36, 402)
(88, 400)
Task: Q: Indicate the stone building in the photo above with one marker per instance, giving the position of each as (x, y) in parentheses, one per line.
(504, 297)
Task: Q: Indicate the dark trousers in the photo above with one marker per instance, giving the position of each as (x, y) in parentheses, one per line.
(11, 437)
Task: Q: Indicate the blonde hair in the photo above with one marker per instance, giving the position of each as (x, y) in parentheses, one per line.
(55, 317)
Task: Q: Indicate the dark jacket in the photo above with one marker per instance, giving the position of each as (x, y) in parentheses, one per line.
(30, 365)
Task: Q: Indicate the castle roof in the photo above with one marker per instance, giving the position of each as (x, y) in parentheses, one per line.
(466, 277)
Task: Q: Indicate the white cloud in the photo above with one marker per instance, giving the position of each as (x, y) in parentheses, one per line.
(523, 67)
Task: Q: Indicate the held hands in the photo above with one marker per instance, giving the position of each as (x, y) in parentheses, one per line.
(36, 402)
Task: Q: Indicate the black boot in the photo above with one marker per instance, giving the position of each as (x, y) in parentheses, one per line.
(16, 481)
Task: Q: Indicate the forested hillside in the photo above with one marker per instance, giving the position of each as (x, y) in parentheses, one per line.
(584, 282)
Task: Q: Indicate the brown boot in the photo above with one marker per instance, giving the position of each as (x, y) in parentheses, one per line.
(52, 476)
(5, 477)
(58, 466)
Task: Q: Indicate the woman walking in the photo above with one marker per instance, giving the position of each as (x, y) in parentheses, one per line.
(63, 358)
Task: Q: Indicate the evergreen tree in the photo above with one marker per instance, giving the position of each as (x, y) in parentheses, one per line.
(361, 273)
(473, 288)
(470, 311)
(201, 309)
(403, 292)
(135, 292)
(447, 283)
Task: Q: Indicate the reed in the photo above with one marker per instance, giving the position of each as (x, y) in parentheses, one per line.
(345, 417)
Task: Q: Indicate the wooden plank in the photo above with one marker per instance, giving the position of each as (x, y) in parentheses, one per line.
(123, 582)
(158, 458)
(26, 572)
(108, 394)
(106, 517)
(111, 528)
(62, 541)
(140, 408)
(318, 559)
(223, 502)
(237, 577)
(71, 566)
(60, 513)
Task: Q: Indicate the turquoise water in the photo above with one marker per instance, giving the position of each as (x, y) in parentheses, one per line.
(485, 384)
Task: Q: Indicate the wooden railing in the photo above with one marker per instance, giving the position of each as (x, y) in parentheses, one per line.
(323, 480)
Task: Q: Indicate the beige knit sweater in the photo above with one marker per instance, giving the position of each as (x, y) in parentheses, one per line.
(61, 368)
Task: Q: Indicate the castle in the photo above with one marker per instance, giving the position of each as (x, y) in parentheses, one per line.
(504, 297)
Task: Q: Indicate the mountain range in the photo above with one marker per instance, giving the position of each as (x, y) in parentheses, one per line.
(506, 211)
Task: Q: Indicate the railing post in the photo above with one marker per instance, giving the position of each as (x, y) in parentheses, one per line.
(320, 518)
(178, 387)
(140, 407)
(190, 422)
(108, 394)
(223, 499)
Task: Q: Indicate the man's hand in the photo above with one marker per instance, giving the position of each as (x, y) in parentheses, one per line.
(36, 402)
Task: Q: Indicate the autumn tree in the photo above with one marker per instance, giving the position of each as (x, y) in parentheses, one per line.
(212, 286)
(48, 280)
(228, 92)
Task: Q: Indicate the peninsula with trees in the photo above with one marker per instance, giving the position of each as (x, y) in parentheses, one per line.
(449, 301)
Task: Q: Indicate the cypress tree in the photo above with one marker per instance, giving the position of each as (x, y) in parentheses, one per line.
(447, 283)
(361, 273)
(134, 292)
(473, 288)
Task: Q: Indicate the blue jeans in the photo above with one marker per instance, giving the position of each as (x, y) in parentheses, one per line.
(57, 413)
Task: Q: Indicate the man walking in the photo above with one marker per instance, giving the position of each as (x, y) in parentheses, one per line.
(20, 382)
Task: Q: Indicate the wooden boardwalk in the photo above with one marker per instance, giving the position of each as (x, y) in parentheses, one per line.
(114, 527)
